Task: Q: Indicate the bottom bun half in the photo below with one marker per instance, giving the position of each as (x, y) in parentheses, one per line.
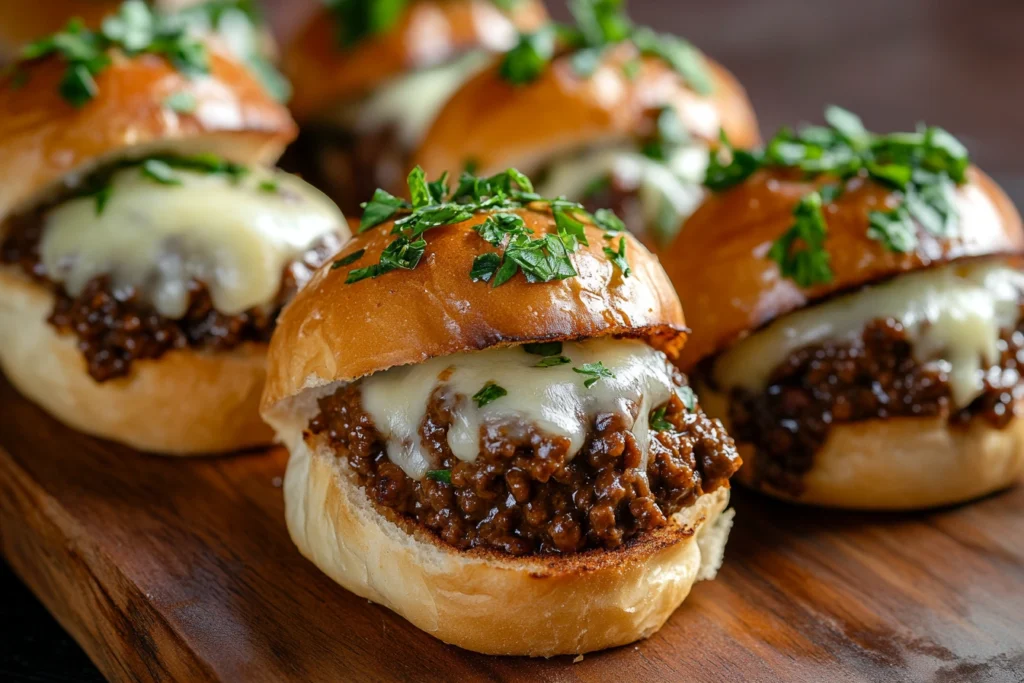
(183, 403)
(493, 603)
(898, 463)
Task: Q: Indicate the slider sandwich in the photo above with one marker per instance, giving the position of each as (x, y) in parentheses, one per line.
(487, 435)
(237, 25)
(603, 112)
(369, 76)
(146, 244)
(857, 299)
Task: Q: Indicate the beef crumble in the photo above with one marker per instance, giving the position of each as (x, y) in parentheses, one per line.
(115, 328)
(523, 494)
(874, 376)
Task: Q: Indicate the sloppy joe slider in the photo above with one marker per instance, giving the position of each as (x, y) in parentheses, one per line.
(237, 24)
(369, 77)
(145, 244)
(486, 432)
(603, 112)
(858, 301)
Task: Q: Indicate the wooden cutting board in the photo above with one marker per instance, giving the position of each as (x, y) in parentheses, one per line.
(182, 569)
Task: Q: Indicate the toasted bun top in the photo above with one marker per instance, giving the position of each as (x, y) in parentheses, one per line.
(719, 263)
(497, 124)
(429, 32)
(44, 139)
(337, 332)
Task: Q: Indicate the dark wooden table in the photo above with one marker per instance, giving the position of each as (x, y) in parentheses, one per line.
(955, 63)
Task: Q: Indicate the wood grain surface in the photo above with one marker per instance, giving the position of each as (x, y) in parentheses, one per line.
(165, 569)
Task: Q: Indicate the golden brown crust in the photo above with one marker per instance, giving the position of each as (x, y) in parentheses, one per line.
(334, 331)
(324, 73)
(729, 287)
(534, 606)
(44, 138)
(497, 124)
(185, 403)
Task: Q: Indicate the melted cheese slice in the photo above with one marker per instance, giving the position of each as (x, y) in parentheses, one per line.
(411, 102)
(232, 235)
(669, 191)
(553, 399)
(953, 316)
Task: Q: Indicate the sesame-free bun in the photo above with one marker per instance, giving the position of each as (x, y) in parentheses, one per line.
(902, 463)
(491, 603)
(337, 332)
(45, 141)
(496, 124)
(185, 402)
(729, 287)
(325, 73)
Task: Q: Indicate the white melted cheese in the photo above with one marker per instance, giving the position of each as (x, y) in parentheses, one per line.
(669, 191)
(553, 399)
(953, 316)
(234, 236)
(412, 101)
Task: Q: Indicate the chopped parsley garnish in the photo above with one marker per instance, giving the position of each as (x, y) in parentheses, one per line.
(269, 186)
(360, 19)
(181, 102)
(160, 171)
(924, 167)
(618, 257)
(552, 361)
(801, 252)
(434, 204)
(688, 397)
(443, 476)
(544, 348)
(599, 25)
(594, 372)
(609, 222)
(670, 135)
(489, 394)
(348, 260)
(659, 423)
(134, 30)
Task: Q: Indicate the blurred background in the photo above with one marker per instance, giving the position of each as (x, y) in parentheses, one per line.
(954, 63)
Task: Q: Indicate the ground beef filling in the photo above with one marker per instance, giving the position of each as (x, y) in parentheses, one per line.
(523, 495)
(875, 376)
(116, 328)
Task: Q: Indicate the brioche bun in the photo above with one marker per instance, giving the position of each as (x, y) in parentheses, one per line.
(186, 401)
(729, 287)
(335, 333)
(429, 32)
(497, 124)
(535, 606)
(896, 464)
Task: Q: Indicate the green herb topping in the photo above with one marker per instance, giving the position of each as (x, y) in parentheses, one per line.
(544, 348)
(134, 30)
(659, 423)
(924, 167)
(594, 372)
(443, 476)
(348, 260)
(489, 394)
(599, 25)
(361, 19)
(435, 204)
(688, 397)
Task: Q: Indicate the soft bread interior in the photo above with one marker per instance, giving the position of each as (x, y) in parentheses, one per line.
(186, 402)
(898, 463)
(488, 602)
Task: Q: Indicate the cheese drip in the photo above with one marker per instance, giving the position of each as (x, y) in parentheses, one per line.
(233, 235)
(953, 316)
(411, 102)
(669, 190)
(553, 399)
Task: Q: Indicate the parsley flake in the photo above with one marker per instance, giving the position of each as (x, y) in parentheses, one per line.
(688, 397)
(442, 476)
(552, 361)
(544, 348)
(348, 260)
(658, 422)
(800, 252)
(489, 394)
(618, 257)
(594, 372)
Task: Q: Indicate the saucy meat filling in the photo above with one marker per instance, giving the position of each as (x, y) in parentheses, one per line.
(115, 328)
(874, 376)
(524, 494)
